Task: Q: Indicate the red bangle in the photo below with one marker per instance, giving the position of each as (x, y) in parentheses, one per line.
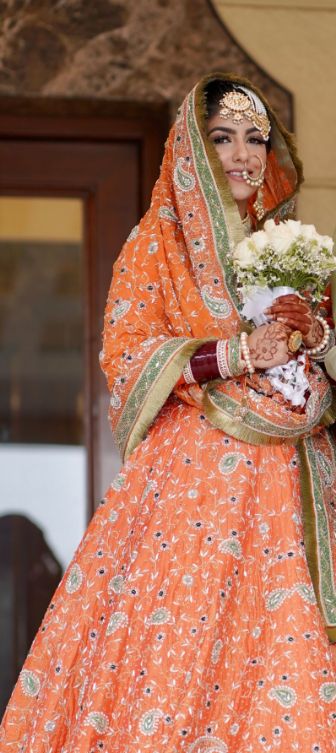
(203, 363)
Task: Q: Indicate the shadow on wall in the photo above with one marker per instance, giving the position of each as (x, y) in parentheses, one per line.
(29, 575)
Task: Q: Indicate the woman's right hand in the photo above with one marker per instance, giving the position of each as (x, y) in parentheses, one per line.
(268, 346)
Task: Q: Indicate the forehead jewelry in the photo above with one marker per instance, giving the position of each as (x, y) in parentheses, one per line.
(237, 106)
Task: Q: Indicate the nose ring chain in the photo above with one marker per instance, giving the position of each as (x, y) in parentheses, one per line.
(258, 181)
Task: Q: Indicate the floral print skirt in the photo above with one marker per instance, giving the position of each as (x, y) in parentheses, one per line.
(187, 619)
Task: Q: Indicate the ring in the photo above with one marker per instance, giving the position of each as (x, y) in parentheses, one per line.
(295, 341)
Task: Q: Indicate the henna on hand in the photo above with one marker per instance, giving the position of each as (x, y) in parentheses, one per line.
(315, 336)
(267, 343)
(295, 313)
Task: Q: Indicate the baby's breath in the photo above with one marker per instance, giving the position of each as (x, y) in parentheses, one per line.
(266, 259)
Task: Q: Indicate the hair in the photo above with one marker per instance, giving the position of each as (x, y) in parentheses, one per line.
(214, 91)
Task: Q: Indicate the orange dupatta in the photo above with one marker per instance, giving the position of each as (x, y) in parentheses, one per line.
(174, 288)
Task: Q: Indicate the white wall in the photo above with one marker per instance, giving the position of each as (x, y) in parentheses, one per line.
(47, 484)
(294, 41)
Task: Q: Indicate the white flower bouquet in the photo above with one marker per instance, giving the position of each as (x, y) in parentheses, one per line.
(288, 254)
(280, 259)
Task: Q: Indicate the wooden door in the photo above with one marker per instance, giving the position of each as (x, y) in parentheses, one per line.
(108, 154)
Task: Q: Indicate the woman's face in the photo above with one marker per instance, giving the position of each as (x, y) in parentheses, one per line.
(238, 147)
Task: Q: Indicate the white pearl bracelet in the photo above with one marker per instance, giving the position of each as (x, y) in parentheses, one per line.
(324, 342)
(246, 352)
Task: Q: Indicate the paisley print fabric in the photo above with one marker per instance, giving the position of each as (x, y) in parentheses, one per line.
(188, 621)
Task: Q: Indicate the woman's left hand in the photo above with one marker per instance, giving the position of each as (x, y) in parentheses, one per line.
(295, 312)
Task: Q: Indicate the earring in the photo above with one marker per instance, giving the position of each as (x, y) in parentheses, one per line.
(257, 182)
(258, 205)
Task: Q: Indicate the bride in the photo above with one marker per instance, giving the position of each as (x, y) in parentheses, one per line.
(199, 612)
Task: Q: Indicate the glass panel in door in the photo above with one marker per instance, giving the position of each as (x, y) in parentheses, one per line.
(42, 453)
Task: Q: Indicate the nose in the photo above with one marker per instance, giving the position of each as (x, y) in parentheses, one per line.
(241, 152)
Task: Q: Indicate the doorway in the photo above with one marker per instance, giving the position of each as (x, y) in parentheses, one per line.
(75, 178)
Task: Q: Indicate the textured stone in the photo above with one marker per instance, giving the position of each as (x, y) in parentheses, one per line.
(35, 52)
(84, 20)
(149, 50)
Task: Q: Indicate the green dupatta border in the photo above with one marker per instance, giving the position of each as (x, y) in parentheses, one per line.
(152, 389)
(330, 359)
(317, 535)
(239, 420)
(214, 185)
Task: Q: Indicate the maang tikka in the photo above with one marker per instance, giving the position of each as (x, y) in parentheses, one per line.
(236, 105)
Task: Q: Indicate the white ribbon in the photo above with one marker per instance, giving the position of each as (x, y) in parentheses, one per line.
(258, 299)
(290, 380)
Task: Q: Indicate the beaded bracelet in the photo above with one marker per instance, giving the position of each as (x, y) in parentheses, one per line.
(246, 352)
(325, 340)
(322, 353)
(188, 375)
(222, 359)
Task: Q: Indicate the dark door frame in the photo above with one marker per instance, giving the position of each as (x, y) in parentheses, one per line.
(33, 122)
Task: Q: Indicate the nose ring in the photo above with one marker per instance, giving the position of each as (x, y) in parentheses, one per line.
(258, 181)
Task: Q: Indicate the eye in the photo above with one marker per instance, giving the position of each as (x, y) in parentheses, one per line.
(223, 139)
(256, 140)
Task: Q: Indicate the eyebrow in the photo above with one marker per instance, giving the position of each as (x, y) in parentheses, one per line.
(231, 130)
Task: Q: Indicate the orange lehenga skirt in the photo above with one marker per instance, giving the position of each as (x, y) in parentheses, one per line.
(187, 619)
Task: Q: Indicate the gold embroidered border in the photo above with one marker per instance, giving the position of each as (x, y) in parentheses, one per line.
(309, 525)
(159, 392)
(235, 426)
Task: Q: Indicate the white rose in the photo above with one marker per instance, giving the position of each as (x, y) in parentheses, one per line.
(327, 242)
(269, 225)
(260, 240)
(295, 226)
(245, 253)
(281, 236)
(309, 232)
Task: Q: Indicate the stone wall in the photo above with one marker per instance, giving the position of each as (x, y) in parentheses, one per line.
(140, 50)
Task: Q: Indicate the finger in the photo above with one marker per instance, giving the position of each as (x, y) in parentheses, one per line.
(285, 297)
(290, 297)
(295, 324)
(291, 321)
(305, 310)
(302, 321)
(285, 304)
